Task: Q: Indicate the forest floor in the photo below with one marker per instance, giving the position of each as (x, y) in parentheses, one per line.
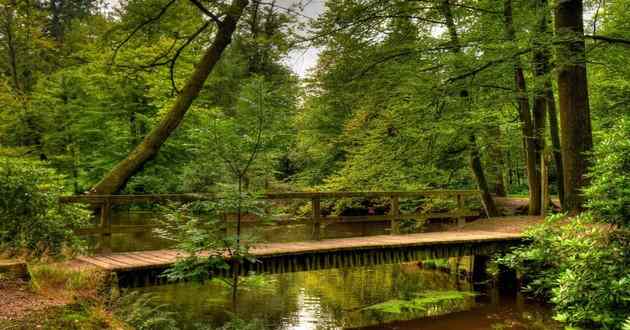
(59, 295)
(513, 224)
(18, 299)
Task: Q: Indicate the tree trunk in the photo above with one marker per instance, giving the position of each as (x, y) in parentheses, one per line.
(477, 169)
(555, 140)
(527, 127)
(475, 161)
(498, 159)
(149, 147)
(575, 119)
(10, 41)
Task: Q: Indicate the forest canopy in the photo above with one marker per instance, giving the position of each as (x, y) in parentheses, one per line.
(124, 96)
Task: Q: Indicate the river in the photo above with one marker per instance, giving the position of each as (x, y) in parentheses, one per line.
(400, 296)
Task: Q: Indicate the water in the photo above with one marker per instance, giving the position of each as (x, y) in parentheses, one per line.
(345, 299)
(338, 298)
(147, 240)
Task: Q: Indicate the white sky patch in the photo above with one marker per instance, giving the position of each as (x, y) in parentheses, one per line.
(301, 61)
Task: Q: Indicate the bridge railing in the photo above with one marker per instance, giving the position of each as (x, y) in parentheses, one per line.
(316, 219)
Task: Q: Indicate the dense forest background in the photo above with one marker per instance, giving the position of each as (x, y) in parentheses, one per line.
(168, 96)
(405, 95)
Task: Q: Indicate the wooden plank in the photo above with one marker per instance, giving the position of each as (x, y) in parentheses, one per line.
(94, 261)
(147, 258)
(130, 261)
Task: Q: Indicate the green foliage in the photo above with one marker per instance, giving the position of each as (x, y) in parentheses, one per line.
(200, 230)
(31, 216)
(142, 312)
(609, 191)
(582, 266)
(423, 301)
(236, 323)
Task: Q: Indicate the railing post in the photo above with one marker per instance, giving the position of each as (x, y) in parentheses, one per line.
(317, 215)
(461, 220)
(106, 227)
(395, 212)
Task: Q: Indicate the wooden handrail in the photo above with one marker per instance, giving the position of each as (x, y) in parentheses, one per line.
(189, 197)
(105, 203)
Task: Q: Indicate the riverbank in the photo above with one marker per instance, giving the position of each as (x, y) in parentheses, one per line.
(58, 296)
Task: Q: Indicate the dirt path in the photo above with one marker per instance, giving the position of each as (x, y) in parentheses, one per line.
(514, 224)
(17, 299)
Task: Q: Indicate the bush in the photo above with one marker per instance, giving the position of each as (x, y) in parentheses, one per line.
(581, 266)
(609, 192)
(31, 218)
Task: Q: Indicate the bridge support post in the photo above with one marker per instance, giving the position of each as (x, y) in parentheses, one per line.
(461, 220)
(317, 215)
(395, 212)
(106, 228)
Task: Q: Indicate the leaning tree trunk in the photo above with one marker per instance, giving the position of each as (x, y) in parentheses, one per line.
(575, 119)
(525, 117)
(149, 147)
(475, 161)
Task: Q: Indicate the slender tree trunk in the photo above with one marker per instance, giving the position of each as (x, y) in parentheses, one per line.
(527, 126)
(542, 68)
(11, 51)
(149, 147)
(575, 119)
(477, 169)
(475, 161)
(555, 140)
(498, 159)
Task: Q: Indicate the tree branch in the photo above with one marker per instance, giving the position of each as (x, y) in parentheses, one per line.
(206, 12)
(139, 27)
(612, 40)
(173, 61)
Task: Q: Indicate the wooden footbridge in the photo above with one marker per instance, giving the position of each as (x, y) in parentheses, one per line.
(132, 267)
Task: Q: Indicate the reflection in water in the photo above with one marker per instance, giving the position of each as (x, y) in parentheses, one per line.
(336, 298)
(308, 314)
(340, 298)
(146, 240)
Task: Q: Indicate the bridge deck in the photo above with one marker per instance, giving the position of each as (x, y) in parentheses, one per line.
(131, 261)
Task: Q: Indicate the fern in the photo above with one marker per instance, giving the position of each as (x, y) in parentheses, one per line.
(142, 312)
(626, 324)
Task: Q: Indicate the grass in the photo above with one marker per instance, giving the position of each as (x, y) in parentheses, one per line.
(69, 282)
(82, 296)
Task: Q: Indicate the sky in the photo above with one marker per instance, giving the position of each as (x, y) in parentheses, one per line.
(301, 60)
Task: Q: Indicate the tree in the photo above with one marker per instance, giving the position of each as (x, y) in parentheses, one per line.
(151, 144)
(575, 118)
(475, 160)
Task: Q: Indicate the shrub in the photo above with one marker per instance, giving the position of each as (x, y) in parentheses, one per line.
(581, 266)
(609, 192)
(31, 217)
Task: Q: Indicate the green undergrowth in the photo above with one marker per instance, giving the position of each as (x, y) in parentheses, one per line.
(422, 302)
